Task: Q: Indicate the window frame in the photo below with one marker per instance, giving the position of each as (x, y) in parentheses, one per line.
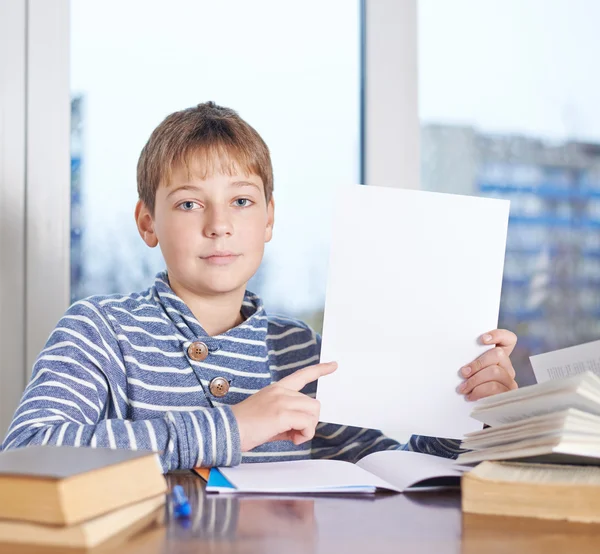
(13, 90)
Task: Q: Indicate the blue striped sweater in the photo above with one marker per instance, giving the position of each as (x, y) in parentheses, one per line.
(116, 373)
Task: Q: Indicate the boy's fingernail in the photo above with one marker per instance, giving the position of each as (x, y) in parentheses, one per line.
(462, 387)
(466, 371)
(487, 338)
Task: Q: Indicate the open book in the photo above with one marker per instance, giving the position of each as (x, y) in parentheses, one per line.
(391, 470)
(556, 421)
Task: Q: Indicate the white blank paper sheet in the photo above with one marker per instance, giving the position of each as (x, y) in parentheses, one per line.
(414, 280)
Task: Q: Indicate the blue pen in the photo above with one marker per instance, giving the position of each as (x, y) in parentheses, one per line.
(181, 505)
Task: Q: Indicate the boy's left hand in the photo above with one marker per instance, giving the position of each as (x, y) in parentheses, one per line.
(493, 372)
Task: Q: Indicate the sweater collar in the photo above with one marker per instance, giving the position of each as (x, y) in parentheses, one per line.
(180, 314)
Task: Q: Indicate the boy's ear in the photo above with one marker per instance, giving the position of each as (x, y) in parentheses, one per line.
(270, 220)
(145, 224)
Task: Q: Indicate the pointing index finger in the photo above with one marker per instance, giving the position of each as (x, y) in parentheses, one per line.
(299, 379)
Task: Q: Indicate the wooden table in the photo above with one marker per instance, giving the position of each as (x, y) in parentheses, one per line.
(422, 522)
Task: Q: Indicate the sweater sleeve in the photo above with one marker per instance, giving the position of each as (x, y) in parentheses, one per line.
(79, 379)
(445, 448)
(342, 442)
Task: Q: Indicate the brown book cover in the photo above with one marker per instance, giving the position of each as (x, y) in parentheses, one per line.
(66, 485)
(52, 462)
(118, 525)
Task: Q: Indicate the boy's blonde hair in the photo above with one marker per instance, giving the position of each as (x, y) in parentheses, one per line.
(215, 136)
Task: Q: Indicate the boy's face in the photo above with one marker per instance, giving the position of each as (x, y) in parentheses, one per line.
(211, 232)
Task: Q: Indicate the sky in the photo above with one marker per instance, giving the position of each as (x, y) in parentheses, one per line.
(292, 71)
(511, 66)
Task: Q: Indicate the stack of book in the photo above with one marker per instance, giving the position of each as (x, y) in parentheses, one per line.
(552, 422)
(77, 497)
(541, 453)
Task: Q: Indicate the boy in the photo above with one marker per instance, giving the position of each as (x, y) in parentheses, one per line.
(194, 367)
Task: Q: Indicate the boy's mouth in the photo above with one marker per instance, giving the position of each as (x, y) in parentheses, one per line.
(220, 258)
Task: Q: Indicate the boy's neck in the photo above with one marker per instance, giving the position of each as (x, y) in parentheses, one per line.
(216, 314)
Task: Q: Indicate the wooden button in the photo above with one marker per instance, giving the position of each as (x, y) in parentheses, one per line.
(198, 351)
(219, 387)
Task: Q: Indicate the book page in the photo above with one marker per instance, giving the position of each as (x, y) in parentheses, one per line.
(302, 476)
(533, 427)
(567, 362)
(404, 469)
(535, 406)
(414, 281)
(538, 473)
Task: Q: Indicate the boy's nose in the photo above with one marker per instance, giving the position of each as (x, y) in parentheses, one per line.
(217, 224)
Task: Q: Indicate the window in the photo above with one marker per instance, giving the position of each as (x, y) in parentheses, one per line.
(275, 63)
(508, 108)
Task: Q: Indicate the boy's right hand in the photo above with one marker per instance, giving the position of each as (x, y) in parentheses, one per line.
(280, 411)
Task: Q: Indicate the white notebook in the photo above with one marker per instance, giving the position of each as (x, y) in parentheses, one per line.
(391, 470)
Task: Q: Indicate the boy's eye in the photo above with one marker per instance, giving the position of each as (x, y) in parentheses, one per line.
(242, 202)
(187, 205)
